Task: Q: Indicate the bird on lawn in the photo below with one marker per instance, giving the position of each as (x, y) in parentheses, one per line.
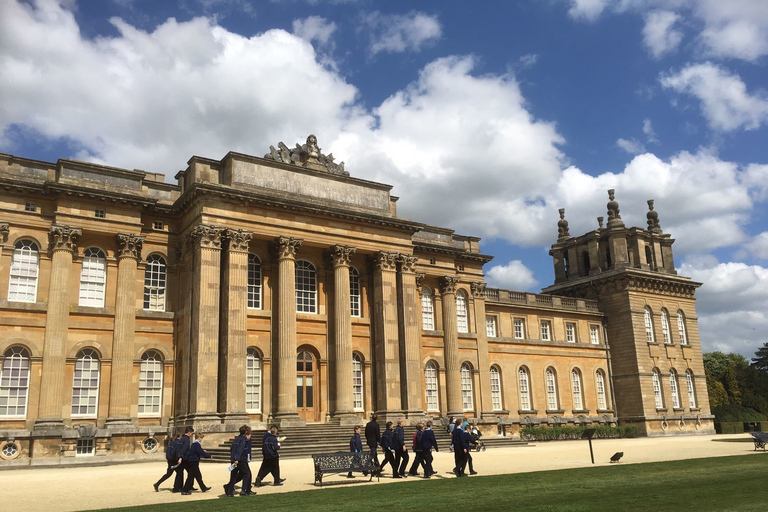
(616, 456)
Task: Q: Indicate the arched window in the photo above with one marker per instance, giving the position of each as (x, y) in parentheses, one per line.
(602, 401)
(665, 327)
(657, 389)
(585, 261)
(306, 287)
(496, 388)
(25, 264)
(691, 389)
(254, 282)
(466, 387)
(14, 383)
(648, 319)
(681, 331)
(649, 257)
(578, 400)
(462, 322)
(150, 384)
(357, 382)
(427, 309)
(524, 381)
(608, 261)
(430, 374)
(85, 386)
(154, 283)
(253, 381)
(93, 278)
(552, 403)
(674, 389)
(354, 291)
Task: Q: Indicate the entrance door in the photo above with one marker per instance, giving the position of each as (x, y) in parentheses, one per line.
(305, 386)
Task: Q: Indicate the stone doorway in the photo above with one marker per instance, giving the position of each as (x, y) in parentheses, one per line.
(306, 386)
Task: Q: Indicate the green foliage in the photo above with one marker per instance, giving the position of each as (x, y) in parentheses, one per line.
(565, 433)
(760, 361)
(731, 384)
(737, 413)
(729, 427)
(717, 393)
(738, 391)
(716, 363)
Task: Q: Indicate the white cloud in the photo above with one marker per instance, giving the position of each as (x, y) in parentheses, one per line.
(397, 33)
(758, 246)
(734, 28)
(512, 276)
(528, 60)
(648, 131)
(659, 35)
(588, 10)
(631, 146)
(725, 102)
(314, 28)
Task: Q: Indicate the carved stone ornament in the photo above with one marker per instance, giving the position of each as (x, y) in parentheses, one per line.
(419, 279)
(64, 238)
(206, 236)
(341, 255)
(129, 245)
(600, 222)
(238, 239)
(287, 246)
(653, 219)
(407, 262)
(478, 290)
(306, 155)
(448, 284)
(562, 227)
(4, 230)
(614, 216)
(385, 261)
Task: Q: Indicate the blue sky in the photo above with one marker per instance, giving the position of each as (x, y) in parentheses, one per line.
(486, 117)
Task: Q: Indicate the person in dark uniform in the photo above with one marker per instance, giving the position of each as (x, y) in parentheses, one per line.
(418, 459)
(460, 449)
(468, 437)
(196, 452)
(355, 445)
(428, 442)
(401, 449)
(170, 458)
(182, 454)
(240, 456)
(373, 438)
(271, 458)
(387, 445)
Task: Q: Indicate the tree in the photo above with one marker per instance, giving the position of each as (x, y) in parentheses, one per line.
(717, 394)
(760, 361)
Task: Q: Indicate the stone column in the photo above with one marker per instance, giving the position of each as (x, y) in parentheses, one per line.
(342, 335)
(52, 382)
(286, 413)
(233, 343)
(386, 339)
(410, 307)
(485, 407)
(451, 346)
(205, 242)
(128, 256)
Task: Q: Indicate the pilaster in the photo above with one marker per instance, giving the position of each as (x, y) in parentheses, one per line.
(485, 408)
(451, 345)
(386, 339)
(410, 334)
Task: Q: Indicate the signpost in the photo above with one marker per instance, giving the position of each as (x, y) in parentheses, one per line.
(588, 433)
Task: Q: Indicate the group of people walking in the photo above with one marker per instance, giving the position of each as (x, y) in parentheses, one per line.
(183, 455)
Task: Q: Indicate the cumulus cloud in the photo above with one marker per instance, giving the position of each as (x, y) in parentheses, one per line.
(396, 33)
(648, 131)
(758, 246)
(512, 276)
(588, 10)
(314, 28)
(725, 102)
(659, 35)
(631, 146)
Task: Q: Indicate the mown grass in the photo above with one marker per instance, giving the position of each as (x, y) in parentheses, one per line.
(716, 484)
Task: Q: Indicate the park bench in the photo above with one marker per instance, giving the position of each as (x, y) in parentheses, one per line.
(760, 439)
(344, 462)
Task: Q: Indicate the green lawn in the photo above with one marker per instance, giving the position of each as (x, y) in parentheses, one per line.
(717, 484)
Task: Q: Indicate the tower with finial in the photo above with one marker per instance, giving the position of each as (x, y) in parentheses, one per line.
(650, 319)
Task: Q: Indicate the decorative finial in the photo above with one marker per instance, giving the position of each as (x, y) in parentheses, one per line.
(614, 217)
(600, 223)
(653, 219)
(306, 155)
(562, 227)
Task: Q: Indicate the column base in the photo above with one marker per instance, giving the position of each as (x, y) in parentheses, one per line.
(49, 424)
(346, 418)
(120, 424)
(204, 421)
(415, 415)
(390, 415)
(288, 419)
(234, 420)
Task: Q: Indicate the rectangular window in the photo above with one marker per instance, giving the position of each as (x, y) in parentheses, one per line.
(546, 330)
(100, 214)
(30, 207)
(158, 224)
(570, 333)
(490, 327)
(594, 334)
(431, 388)
(85, 447)
(519, 329)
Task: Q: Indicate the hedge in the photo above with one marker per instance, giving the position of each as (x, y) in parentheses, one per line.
(564, 433)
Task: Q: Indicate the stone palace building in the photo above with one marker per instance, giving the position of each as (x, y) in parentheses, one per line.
(281, 289)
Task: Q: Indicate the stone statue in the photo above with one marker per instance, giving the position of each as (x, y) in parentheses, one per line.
(306, 155)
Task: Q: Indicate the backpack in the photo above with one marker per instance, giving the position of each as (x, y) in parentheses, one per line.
(417, 440)
(171, 452)
(235, 447)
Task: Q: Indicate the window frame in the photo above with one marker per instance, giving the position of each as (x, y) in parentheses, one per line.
(462, 312)
(492, 329)
(570, 332)
(658, 393)
(577, 390)
(692, 402)
(156, 274)
(24, 273)
(255, 288)
(553, 402)
(650, 335)
(253, 380)
(306, 287)
(428, 313)
(674, 389)
(546, 334)
(594, 334)
(355, 302)
(432, 387)
(519, 334)
(358, 383)
(93, 278)
(665, 330)
(496, 396)
(602, 397)
(91, 391)
(682, 329)
(467, 389)
(524, 388)
(155, 391)
(17, 358)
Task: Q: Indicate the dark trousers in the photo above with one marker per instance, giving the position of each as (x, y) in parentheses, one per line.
(418, 459)
(374, 453)
(178, 483)
(168, 472)
(269, 466)
(241, 472)
(389, 458)
(427, 454)
(193, 473)
(461, 461)
(402, 461)
(469, 461)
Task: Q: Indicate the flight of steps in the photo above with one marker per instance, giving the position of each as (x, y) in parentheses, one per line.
(327, 438)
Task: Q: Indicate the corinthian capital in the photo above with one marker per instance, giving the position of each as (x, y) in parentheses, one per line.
(385, 260)
(129, 246)
(419, 279)
(448, 284)
(341, 254)
(238, 239)
(4, 230)
(64, 238)
(287, 247)
(478, 290)
(407, 262)
(206, 236)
